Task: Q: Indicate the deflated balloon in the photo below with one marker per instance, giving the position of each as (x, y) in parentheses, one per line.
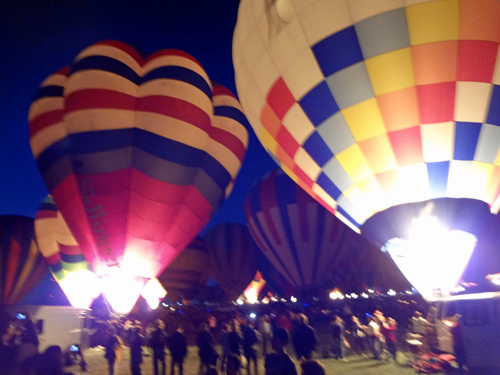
(188, 272)
(233, 257)
(137, 153)
(371, 104)
(21, 264)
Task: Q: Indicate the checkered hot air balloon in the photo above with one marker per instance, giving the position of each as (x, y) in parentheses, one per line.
(138, 153)
(370, 104)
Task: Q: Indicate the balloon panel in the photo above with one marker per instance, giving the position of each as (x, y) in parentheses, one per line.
(233, 257)
(21, 264)
(187, 272)
(367, 105)
(136, 152)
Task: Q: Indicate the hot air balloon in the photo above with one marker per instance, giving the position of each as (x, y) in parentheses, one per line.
(233, 257)
(64, 256)
(368, 105)
(188, 273)
(21, 264)
(137, 153)
(301, 238)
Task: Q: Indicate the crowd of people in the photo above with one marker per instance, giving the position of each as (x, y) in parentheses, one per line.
(228, 340)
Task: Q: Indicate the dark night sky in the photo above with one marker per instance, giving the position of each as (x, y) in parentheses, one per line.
(39, 37)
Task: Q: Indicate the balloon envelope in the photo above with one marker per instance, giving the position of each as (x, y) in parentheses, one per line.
(233, 257)
(21, 264)
(303, 240)
(188, 272)
(137, 153)
(64, 256)
(370, 104)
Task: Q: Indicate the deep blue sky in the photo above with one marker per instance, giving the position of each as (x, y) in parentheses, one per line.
(41, 36)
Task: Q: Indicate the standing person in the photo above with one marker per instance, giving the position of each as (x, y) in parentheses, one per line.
(205, 345)
(338, 334)
(358, 335)
(249, 340)
(136, 342)
(265, 333)
(234, 339)
(113, 350)
(178, 349)
(373, 333)
(233, 365)
(458, 341)
(224, 341)
(388, 330)
(303, 338)
(430, 330)
(157, 342)
(8, 352)
(279, 362)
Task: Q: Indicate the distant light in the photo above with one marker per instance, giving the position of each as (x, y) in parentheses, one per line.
(265, 301)
(347, 295)
(364, 295)
(182, 312)
(164, 304)
(283, 300)
(274, 299)
(371, 291)
(333, 295)
(171, 308)
(239, 302)
(409, 292)
(305, 304)
(354, 295)
(391, 292)
(293, 299)
(496, 281)
(252, 315)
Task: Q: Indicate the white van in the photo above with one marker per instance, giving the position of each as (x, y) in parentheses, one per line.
(56, 325)
(480, 329)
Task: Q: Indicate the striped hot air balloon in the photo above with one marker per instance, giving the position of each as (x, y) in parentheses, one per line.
(137, 153)
(371, 104)
(302, 239)
(233, 257)
(21, 264)
(188, 273)
(64, 256)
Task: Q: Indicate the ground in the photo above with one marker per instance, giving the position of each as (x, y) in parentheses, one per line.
(357, 365)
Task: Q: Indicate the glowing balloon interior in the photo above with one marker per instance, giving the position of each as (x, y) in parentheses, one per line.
(433, 259)
(153, 293)
(370, 104)
(64, 256)
(137, 153)
(253, 289)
